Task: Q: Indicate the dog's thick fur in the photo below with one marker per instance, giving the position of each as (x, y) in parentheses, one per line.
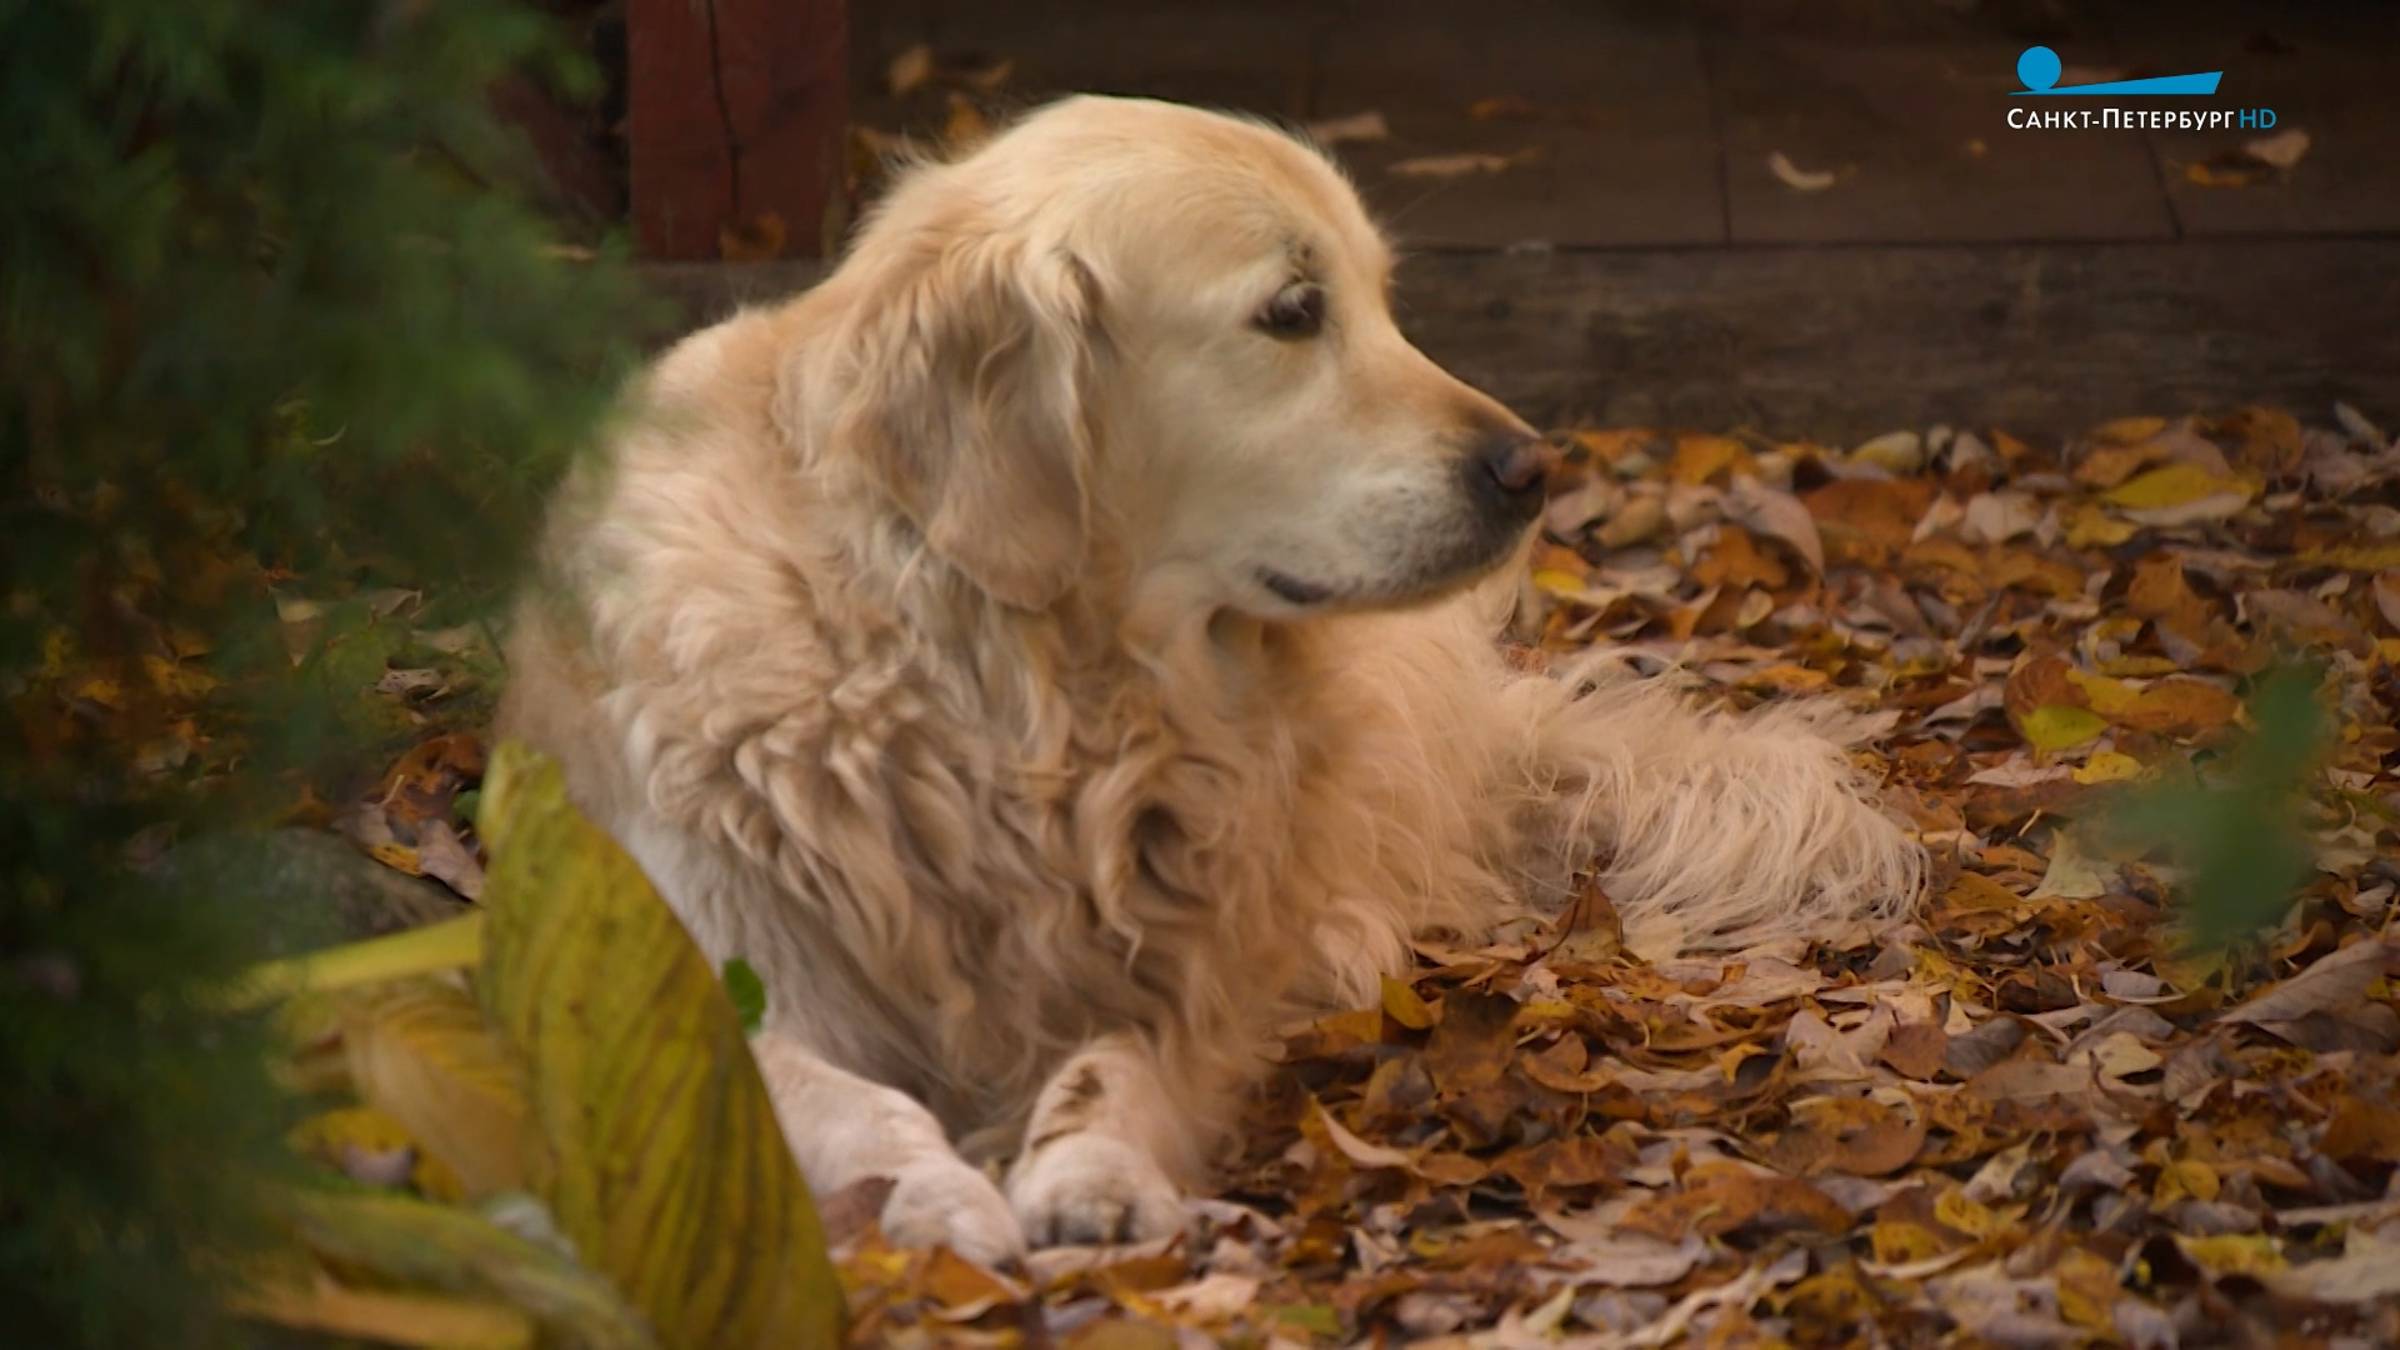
(1050, 674)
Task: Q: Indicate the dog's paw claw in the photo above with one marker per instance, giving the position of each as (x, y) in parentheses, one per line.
(942, 1202)
(1089, 1188)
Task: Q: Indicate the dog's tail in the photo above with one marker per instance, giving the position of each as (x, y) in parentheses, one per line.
(1710, 830)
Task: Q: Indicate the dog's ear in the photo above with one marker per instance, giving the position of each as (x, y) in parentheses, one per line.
(974, 353)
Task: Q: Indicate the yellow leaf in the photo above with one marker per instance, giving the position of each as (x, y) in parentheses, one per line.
(661, 1158)
(447, 945)
(1835, 1296)
(1974, 890)
(2129, 430)
(421, 1052)
(1401, 1004)
(1699, 458)
(1898, 1242)
(2354, 557)
(2059, 726)
(398, 857)
(2087, 1290)
(350, 1136)
(1786, 678)
(2108, 697)
(1564, 585)
(389, 1318)
(2108, 465)
(2108, 766)
(2090, 527)
(2175, 485)
(2189, 970)
(1956, 1210)
(437, 1180)
(2234, 1254)
(2186, 1180)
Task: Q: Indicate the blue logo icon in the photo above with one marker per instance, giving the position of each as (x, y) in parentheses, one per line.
(2039, 68)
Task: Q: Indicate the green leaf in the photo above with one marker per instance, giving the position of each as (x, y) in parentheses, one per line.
(658, 1150)
(748, 992)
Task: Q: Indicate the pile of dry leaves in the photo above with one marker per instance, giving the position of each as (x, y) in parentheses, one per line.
(2033, 1115)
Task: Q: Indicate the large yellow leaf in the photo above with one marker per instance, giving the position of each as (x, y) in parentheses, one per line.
(658, 1151)
(420, 1051)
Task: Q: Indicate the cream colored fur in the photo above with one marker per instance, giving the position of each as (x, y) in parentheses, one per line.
(1048, 680)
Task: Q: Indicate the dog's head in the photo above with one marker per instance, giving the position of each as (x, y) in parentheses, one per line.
(1169, 330)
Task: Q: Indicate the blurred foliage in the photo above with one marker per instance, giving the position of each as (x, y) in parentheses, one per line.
(2239, 832)
(271, 322)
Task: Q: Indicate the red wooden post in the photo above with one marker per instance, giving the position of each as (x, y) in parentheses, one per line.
(736, 111)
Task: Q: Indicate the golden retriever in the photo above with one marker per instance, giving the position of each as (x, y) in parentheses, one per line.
(1051, 652)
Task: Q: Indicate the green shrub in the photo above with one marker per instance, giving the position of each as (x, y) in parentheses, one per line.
(267, 312)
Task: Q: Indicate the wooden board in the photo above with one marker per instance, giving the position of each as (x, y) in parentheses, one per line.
(2325, 69)
(736, 115)
(1599, 108)
(1843, 343)
(1907, 105)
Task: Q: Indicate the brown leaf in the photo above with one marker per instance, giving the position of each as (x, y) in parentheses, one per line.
(1700, 458)
(2333, 981)
(1867, 519)
(1916, 1050)
(1719, 1198)
(1472, 1046)
(1854, 1135)
(1735, 561)
(2179, 704)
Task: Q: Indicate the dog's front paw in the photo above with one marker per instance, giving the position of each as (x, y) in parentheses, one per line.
(1089, 1188)
(942, 1202)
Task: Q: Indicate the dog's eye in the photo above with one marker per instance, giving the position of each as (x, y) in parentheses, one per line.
(1297, 311)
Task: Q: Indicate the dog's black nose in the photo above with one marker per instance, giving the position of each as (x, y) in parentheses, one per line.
(1505, 472)
(1517, 462)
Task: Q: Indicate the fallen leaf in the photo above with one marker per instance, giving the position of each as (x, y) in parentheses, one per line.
(1462, 164)
(1357, 127)
(421, 1052)
(659, 1150)
(909, 70)
(2332, 981)
(2283, 150)
(1796, 178)
(2059, 726)
(1779, 516)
